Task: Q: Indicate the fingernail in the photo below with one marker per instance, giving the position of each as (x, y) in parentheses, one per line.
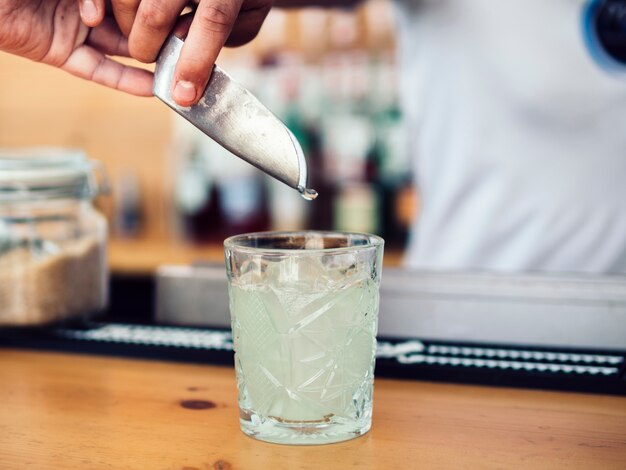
(89, 10)
(184, 92)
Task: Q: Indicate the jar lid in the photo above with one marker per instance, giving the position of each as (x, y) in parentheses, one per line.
(46, 173)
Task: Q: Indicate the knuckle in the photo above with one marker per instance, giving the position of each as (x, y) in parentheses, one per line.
(155, 19)
(216, 17)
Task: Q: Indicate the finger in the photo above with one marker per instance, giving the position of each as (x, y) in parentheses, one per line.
(125, 12)
(108, 39)
(91, 64)
(91, 11)
(209, 30)
(154, 21)
(247, 26)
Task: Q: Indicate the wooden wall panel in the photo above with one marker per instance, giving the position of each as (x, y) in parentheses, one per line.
(40, 105)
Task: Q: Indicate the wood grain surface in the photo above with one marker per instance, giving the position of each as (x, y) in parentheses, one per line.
(72, 411)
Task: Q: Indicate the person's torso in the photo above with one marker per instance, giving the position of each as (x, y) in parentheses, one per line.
(519, 147)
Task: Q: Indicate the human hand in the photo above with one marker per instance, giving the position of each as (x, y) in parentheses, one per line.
(210, 25)
(51, 32)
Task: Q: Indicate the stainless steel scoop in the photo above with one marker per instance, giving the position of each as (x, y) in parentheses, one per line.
(229, 114)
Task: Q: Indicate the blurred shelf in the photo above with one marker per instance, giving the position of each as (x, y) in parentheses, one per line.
(144, 256)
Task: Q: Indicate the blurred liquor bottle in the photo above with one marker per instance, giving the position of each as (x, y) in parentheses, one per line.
(394, 180)
(348, 134)
(279, 90)
(128, 217)
(217, 194)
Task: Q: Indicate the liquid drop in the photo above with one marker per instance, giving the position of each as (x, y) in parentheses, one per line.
(308, 194)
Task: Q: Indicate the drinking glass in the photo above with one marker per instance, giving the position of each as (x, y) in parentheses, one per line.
(304, 311)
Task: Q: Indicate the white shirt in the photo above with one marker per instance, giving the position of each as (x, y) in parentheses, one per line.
(519, 138)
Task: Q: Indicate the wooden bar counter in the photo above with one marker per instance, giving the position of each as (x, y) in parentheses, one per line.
(76, 411)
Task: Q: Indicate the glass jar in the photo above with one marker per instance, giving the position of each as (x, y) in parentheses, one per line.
(53, 263)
